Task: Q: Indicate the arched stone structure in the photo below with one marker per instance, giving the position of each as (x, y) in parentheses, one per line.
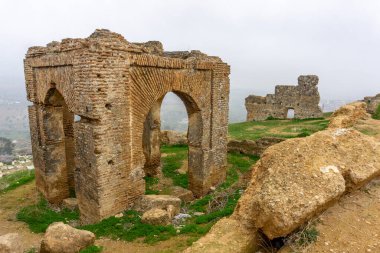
(116, 87)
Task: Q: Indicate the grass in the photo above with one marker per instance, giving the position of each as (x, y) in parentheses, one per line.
(129, 227)
(40, 216)
(150, 182)
(254, 130)
(16, 179)
(305, 236)
(376, 115)
(92, 249)
(175, 155)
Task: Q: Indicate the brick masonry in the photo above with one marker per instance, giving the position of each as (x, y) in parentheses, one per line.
(95, 116)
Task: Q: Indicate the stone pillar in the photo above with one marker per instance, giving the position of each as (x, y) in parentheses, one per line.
(151, 141)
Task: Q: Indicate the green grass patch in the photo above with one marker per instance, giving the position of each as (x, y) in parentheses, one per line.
(254, 130)
(129, 227)
(376, 115)
(150, 182)
(225, 211)
(92, 249)
(40, 216)
(16, 179)
(175, 155)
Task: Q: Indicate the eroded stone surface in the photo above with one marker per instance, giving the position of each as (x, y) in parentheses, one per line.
(62, 238)
(147, 202)
(226, 236)
(95, 118)
(348, 115)
(303, 99)
(298, 178)
(156, 216)
(70, 203)
(9, 243)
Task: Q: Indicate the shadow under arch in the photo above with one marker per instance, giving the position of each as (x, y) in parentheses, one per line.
(151, 137)
(58, 131)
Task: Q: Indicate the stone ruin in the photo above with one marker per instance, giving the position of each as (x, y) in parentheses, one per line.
(303, 99)
(95, 118)
(372, 103)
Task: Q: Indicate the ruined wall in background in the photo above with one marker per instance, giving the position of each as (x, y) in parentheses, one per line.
(372, 103)
(303, 99)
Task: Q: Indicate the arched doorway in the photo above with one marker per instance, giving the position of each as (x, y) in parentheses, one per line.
(59, 147)
(151, 138)
(290, 113)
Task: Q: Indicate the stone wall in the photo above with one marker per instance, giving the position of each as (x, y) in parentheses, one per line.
(94, 116)
(372, 103)
(249, 147)
(303, 99)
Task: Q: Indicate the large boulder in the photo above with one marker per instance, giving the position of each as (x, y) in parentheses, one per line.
(169, 137)
(156, 216)
(226, 236)
(184, 194)
(147, 202)
(70, 203)
(298, 178)
(10, 243)
(348, 115)
(61, 238)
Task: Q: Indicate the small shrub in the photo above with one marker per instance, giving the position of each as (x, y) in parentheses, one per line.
(305, 236)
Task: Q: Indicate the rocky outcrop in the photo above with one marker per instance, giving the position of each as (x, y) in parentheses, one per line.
(226, 236)
(348, 115)
(249, 147)
(169, 137)
(297, 179)
(61, 238)
(10, 243)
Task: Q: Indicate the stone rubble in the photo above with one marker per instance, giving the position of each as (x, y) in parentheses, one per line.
(62, 238)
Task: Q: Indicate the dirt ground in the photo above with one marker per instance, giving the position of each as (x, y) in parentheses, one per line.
(25, 195)
(352, 225)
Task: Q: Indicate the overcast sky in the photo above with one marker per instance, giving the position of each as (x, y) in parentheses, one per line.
(266, 42)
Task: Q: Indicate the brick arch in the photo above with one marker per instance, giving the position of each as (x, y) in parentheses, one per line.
(150, 85)
(152, 129)
(58, 147)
